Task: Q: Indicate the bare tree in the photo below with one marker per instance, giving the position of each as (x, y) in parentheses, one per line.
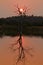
(21, 49)
(21, 10)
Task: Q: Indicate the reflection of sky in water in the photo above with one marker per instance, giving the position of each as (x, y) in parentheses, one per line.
(7, 57)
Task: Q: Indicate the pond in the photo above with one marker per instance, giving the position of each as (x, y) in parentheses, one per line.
(8, 57)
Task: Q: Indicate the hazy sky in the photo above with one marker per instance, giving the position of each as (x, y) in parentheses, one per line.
(7, 7)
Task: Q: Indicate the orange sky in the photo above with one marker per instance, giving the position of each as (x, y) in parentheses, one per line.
(7, 57)
(7, 7)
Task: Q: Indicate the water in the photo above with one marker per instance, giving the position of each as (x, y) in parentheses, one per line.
(8, 57)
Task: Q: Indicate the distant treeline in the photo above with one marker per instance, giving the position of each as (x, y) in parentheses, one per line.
(31, 25)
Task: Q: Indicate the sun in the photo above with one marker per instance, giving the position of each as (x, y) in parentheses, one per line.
(21, 10)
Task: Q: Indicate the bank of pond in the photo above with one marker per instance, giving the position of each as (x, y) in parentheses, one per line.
(31, 26)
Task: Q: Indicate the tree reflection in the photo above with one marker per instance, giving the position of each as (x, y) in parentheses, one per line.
(21, 49)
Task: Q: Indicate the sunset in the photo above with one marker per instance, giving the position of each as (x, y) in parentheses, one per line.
(21, 32)
(7, 7)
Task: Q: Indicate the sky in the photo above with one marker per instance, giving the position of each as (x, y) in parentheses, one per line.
(8, 7)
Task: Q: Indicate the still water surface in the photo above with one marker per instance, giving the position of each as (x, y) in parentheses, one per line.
(8, 57)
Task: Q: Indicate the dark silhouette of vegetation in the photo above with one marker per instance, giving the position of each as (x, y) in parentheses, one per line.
(31, 25)
(20, 46)
(21, 25)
